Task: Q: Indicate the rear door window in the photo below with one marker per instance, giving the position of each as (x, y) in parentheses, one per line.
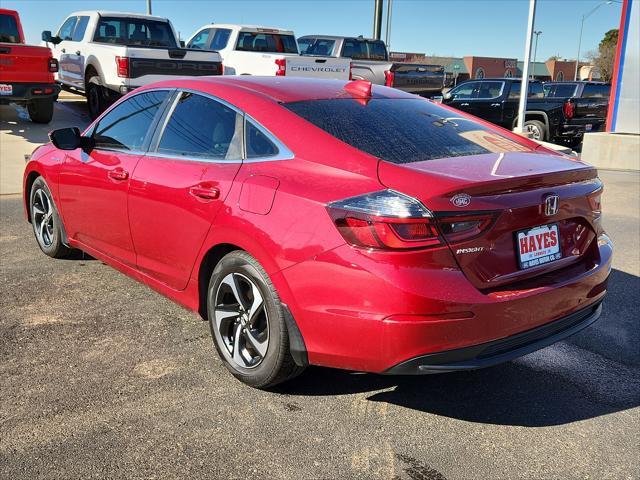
(266, 42)
(403, 130)
(126, 127)
(9, 29)
(258, 144)
(202, 127)
(489, 90)
(362, 49)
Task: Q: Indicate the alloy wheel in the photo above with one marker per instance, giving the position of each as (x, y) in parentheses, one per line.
(241, 320)
(535, 132)
(42, 217)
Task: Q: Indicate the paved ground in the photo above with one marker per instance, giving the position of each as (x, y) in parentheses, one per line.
(102, 377)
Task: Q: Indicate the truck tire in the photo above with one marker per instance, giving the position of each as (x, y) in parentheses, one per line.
(536, 129)
(41, 110)
(97, 97)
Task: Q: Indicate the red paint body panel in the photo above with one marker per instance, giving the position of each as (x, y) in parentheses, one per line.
(356, 308)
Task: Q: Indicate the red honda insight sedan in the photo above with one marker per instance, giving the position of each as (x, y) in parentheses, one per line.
(330, 223)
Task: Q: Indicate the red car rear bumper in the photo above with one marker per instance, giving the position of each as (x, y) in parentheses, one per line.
(404, 312)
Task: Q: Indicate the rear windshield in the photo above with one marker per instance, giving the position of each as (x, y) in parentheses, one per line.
(266, 42)
(560, 90)
(9, 29)
(402, 130)
(135, 32)
(361, 49)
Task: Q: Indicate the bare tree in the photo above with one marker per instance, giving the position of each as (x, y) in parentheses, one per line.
(604, 58)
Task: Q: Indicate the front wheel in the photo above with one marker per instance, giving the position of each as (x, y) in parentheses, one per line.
(45, 220)
(247, 322)
(41, 110)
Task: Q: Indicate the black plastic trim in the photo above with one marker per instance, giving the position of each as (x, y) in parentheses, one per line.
(297, 346)
(502, 350)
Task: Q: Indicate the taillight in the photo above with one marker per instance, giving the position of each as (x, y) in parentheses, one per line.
(385, 220)
(595, 201)
(460, 228)
(122, 64)
(53, 65)
(568, 109)
(282, 67)
(389, 77)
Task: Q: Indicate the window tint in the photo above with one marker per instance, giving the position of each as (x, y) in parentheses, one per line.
(9, 29)
(560, 90)
(81, 27)
(135, 31)
(258, 145)
(220, 38)
(201, 40)
(535, 90)
(595, 91)
(66, 30)
(201, 127)
(304, 44)
(321, 46)
(266, 42)
(402, 130)
(126, 126)
(361, 49)
(489, 90)
(466, 90)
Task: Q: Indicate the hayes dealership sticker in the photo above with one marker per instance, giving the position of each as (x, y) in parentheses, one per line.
(461, 200)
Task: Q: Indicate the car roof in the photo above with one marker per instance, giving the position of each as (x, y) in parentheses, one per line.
(112, 13)
(341, 37)
(246, 27)
(277, 89)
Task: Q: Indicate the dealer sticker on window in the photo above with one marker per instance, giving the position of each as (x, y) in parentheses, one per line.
(538, 246)
(6, 89)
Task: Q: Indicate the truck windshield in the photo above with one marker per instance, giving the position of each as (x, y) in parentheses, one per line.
(266, 42)
(403, 130)
(9, 29)
(135, 32)
(362, 49)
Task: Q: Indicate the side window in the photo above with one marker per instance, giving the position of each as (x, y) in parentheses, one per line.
(515, 90)
(220, 38)
(81, 27)
(466, 90)
(377, 51)
(490, 90)
(202, 127)
(66, 30)
(595, 91)
(353, 48)
(304, 44)
(536, 90)
(258, 144)
(201, 40)
(127, 125)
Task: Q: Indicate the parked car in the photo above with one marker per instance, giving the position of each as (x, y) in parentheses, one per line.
(547, 118)
(370, 61)
(26, 71)
(589, 115)
(330, 223)
(107, 54)
(255, 50)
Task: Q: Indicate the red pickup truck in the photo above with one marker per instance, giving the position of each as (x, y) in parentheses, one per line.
(26, 71)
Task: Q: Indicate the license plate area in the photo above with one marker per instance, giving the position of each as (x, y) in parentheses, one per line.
(538, 246)
(6, 89)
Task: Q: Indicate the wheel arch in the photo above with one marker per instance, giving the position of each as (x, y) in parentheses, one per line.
(92, 66)
(28, 183)
(536, 115)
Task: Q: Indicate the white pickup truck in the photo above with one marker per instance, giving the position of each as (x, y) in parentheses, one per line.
(106, 54)
(255, 50)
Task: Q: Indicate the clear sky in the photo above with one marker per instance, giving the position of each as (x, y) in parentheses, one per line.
(449, 28)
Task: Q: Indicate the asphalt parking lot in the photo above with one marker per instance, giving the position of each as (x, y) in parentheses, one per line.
(102, 377)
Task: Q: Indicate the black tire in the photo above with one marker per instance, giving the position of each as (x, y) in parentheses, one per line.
(50, 236)
(98, 97)
(537, 129)
(277, 364)
(41, 110)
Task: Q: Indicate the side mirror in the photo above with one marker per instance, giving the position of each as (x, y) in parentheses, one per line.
(447, 96)
(70, 139)
(47, 37)
(181, 43)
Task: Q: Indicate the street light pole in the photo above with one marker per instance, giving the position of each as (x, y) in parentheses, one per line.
(584, 17)
(524, 82)
(148, 7)
(537, 33)
(388, 32)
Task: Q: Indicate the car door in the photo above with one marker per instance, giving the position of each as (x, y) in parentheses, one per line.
(74, 57)
(59, 50)
(461, 96)
(488, 102)
(181, 183)
(93, 185)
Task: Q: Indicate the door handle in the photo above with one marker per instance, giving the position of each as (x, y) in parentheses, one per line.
(464, 104)
(77, 52)
(495, 104)
(64, 50)
(118, 174)
(205, 192)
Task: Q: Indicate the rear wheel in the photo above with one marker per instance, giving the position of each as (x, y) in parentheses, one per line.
(247, 322)
(98, 97)
(45, 220)
(536, 129)
(41, 110)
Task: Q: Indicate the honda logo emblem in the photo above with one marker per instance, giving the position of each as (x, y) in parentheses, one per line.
(551, 202)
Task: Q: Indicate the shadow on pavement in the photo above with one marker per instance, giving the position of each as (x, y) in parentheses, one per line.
(563, 383)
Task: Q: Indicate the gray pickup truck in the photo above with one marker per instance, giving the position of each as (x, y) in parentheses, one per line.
(370, 61)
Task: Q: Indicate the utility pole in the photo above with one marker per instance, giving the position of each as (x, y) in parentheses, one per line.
(584, 17)
(377, 19)
(388, 32)
(524, 85)
(537, 33)
(148, 7)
